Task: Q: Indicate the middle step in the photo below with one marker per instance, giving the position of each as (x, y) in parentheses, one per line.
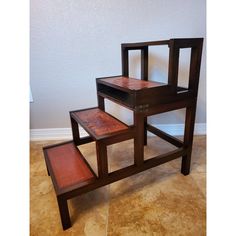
(99, 124)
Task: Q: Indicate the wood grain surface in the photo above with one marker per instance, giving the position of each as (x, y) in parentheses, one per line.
(100, 122)
(68, 165)
(131, 83)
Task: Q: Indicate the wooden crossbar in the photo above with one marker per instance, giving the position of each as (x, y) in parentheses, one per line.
(176, 142)
(126, 172)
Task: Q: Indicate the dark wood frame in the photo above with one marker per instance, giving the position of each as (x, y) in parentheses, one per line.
(143, 103)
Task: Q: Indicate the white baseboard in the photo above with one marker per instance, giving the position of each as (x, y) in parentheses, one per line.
(178, 129)
(65, 133)
(53, 134)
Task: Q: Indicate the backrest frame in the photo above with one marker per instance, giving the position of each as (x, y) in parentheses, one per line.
(173, 68)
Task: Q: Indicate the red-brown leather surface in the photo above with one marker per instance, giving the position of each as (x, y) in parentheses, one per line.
(131, 83)
(100, 122)
(68, 166)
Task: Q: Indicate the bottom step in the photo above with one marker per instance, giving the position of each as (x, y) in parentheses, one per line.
(67, 167)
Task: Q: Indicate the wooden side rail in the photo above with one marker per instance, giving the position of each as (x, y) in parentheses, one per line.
(139, 45)
(176, 142)
(126, 172)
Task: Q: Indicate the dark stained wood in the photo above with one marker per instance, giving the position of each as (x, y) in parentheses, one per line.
(130, 83)
(171, 106)
(161, 94)
(165, 136)
(64, 212)
(132, 99)
(98, 123)
(195, 63)
(173, 65)
(113, 97)
(145, 131)
(140, 45)
(138, 140)
(124, 61)
(101, 102)
(182, 43)
(75, 131)
(69, 170)
(119, 137)
(68, 166)
(144, 63)
(144, 76)
(102, 159)
(188, 42)
(188, 138)
(76, 135)
(85, 140)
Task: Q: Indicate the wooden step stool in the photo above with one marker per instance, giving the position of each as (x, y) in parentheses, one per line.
(71, 174)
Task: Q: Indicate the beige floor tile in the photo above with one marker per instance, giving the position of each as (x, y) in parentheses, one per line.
(172, 206)
(158, 201)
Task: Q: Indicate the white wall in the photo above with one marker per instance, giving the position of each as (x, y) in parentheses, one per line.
(75, 41)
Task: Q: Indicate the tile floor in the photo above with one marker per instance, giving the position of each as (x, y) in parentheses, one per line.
(159, 201)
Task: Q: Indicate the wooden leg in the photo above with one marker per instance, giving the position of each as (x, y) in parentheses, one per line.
(64, 212)
(102, 159)
(145, 132)
(138, 139)
(144, 76)
(188, 138)
(101, 103)
(75, 131)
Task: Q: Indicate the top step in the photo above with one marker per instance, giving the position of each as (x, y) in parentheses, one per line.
(128, 83)
(135, 94)
(98, 123)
